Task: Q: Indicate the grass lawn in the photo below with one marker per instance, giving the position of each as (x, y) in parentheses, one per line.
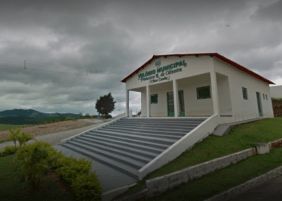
(239, 138)
(4, 127)
(11, 189)
(224, 179)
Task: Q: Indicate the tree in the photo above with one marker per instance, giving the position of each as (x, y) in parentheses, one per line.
(105, 104)
(14, 135)
(23, 138)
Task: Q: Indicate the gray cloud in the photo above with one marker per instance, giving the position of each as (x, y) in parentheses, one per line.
(77, 51)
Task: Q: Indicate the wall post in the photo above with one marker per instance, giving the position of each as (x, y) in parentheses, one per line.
(175, 98)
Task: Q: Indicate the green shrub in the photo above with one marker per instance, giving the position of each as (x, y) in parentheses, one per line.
(52, 120)
(75, 171)
(8, 150)
(69, 118)
(23, 138)
(34, 160)
(276, 100)
(87, 187)
(107, 116)
(69, 167)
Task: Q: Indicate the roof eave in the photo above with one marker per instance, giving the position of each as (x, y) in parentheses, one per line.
(238, 66)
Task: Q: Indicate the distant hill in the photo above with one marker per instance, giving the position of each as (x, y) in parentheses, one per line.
(22, 116)
(34, 113)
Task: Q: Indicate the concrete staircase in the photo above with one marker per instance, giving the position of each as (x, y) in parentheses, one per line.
(130, 143)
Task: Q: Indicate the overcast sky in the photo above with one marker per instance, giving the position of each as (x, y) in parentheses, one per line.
(63, 40)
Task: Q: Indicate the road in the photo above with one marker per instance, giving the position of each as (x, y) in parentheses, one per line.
(269, 191)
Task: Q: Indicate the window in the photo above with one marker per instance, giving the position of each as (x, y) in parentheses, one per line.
(154, 98)
(245, 94)
(266, 96)
(203, 92)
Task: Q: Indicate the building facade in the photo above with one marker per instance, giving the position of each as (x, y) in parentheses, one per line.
(276, 91)
(199, 85)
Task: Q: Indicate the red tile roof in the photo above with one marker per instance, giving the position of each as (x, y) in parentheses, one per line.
(238, 66)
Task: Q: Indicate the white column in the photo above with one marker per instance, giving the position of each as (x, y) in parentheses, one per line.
(127, 102)
(175, 98)
(148, 95)
(214, 93)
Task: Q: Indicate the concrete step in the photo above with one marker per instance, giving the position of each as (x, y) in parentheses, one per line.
(155, 129)
(139, 152)
(114, 150)
(133, 172)
(144, 133)
(164, 126)
(128, 161)
(110, 134)
(137, 146)
(160, 125)
(129, 144)
(163, 120)
(157, 122)
(135, 142)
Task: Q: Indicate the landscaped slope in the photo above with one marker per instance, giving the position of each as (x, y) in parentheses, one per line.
(239, 138)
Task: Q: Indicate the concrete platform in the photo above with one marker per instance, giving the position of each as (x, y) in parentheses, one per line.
(109, 177)
(223, 129)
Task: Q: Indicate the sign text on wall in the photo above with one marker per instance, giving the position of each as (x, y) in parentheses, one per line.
(162, 73)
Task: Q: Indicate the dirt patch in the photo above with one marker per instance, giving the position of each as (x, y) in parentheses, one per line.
(275, 144)
(60, 184)
(50, 128)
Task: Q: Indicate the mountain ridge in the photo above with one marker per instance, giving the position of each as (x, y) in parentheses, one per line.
(34, 113)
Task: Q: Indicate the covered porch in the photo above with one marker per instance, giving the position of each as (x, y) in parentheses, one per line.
(196, 96)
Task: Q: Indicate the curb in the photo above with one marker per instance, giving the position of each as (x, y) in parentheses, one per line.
(109, 195)
(237, 190)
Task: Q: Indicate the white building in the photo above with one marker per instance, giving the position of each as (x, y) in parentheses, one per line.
(276, 91)
(184, 98)
(199, 85)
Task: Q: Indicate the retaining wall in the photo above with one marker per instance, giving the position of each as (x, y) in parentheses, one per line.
(237, 190)
(161, 184)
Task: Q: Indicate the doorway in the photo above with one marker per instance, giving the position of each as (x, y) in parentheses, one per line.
(170, 104)
(181, 103)
(259, 104)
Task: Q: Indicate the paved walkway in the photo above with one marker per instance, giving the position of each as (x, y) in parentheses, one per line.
(269, 191)
(54, 138)
(109, 177)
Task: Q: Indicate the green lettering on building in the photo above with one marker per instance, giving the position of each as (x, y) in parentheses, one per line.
(165, 70)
